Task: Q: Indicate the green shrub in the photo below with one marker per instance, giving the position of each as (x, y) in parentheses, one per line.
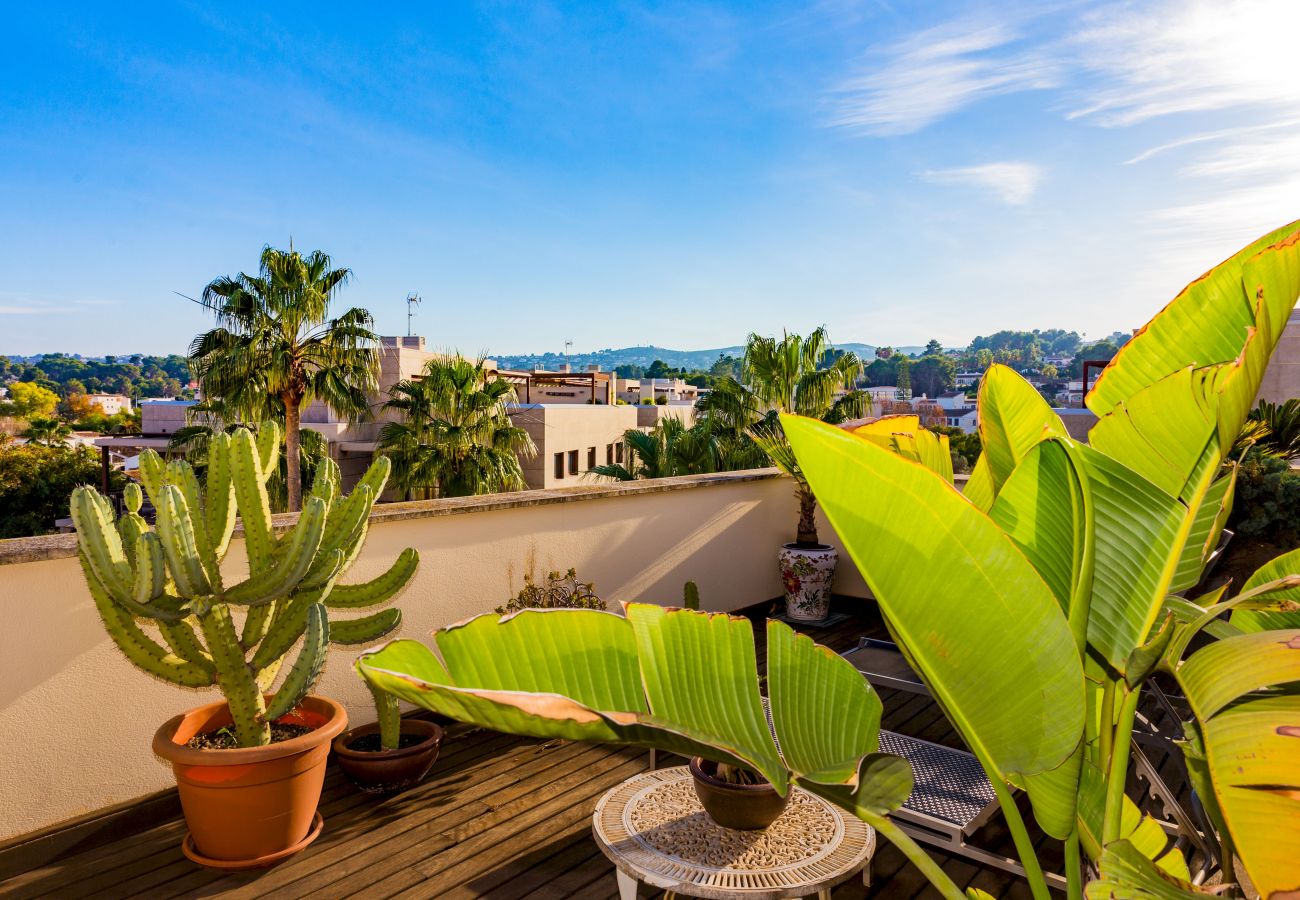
(36, 482)
(557, 592)
(1267, 502)
(661, 400)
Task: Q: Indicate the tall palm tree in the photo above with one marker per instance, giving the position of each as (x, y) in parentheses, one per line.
(455, 437)
(787, 376)
(276, 346)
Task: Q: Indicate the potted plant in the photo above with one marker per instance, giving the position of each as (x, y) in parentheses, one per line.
(736, 796)
(249, 768)
(389, 754)
(557, 592)
(803, 375)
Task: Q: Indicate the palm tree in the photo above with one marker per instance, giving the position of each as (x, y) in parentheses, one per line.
(49, 432)
(784, 376)
(1282, 432)
(192, 442)
(455, 437)
(275, 349)
(668, 449)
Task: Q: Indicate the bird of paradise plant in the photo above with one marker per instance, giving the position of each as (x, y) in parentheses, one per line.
(1035, 606)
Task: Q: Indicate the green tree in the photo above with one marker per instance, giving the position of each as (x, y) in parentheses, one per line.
(28, 400)
(48, 431)
(660, 369)
(782, 376)
(668, 449)
(932, 374)
(455, 437)
(275, 342)
(983, 358)
(36, 482)
(933, 348)
(725, 365)
(1283, 423)
(1101, 350)
(1049, 371)
(903, 379)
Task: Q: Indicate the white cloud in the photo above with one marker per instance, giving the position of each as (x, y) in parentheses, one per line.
(1014, 183)
(1181, 56)
(17, 310)
(936, 72)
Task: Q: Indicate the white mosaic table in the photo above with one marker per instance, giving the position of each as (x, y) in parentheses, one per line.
(654, 830)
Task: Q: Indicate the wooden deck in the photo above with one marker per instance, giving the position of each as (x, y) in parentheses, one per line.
(499, 817)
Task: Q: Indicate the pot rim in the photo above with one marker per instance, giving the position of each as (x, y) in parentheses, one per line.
(698, 772)
(164, 743)
(433, 735)
(808, 548)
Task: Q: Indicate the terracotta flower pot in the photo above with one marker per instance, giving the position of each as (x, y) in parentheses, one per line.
(250, 806)
(380, 771)
(746, 807)
(807, 574)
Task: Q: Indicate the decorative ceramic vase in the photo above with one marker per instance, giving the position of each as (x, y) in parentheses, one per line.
(808, 573)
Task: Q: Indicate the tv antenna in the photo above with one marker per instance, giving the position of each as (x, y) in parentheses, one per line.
(412, 301)
(567, 345)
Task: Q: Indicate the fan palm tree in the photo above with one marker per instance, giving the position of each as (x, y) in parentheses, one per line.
(275, 345)
(670, 448)
(455, 437)
(50, 432)
(192, 441)
(786, 375)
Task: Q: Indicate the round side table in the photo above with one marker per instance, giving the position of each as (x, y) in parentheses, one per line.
(653, 829)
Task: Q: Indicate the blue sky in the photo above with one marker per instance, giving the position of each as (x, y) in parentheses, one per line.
(621, 174)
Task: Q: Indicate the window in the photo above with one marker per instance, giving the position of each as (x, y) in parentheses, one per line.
(618, 453)
(609, 454)
(591, 457)
(573, 462)
(559, 465)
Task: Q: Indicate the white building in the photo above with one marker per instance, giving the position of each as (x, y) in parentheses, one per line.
(110, 404)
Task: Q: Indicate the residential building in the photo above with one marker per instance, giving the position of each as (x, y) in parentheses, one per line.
(1282, 378)
(673, 390)
(571, 440)
(110, 404)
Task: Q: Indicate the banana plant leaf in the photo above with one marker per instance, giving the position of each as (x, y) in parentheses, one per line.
(1280, 567)
(1013, 418)
(981, 625)
(905, 436)
(1242, 690)
(674, 679)
(1209, 321)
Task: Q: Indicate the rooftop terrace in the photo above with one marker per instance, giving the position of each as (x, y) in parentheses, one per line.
(499, 817)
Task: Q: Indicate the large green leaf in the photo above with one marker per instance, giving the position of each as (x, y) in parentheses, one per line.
(1127, 874)
(1138, 529)
(1250, 740)
(1161, 431)
(678, 680)
(1279, 567)
(1013, 418)
(1207, 323)
(980, 624)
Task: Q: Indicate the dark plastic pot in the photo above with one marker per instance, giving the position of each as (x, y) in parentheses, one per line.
(747, 807)
(382, 771)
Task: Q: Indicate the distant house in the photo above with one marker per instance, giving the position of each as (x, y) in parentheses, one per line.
(110, 404)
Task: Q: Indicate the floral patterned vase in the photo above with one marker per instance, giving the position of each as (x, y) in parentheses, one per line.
(807, 573)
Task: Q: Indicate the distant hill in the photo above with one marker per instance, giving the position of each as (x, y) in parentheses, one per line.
(644, 356)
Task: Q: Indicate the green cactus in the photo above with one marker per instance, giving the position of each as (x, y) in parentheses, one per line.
(169, 577)
(691, 596)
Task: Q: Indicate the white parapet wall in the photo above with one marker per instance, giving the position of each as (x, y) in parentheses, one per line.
(76, 718)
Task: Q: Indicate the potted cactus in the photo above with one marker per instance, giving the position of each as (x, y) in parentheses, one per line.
(249, 768)
(390, 754)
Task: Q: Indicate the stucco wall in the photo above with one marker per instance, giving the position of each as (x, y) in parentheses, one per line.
(76, 718)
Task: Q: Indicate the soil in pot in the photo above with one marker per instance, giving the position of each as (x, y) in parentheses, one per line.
(378, 771)
(746, 807)
(224, 738)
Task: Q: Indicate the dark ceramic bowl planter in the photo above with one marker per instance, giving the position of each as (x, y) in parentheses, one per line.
(378, 771)
(746, 807)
